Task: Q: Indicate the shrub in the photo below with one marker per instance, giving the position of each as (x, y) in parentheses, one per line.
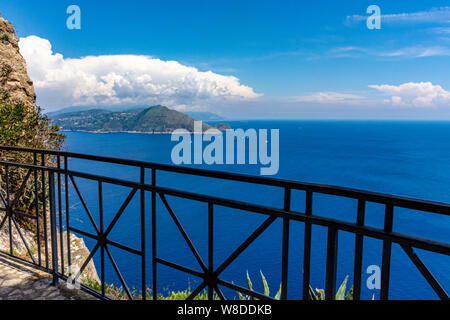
(119, 293)
(23, 126)
(5, 38)
(5, 71)
(183, 295)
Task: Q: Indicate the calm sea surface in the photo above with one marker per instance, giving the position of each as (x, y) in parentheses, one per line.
(403, 158)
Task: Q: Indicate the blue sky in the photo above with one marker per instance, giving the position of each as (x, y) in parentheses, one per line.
(267, 59)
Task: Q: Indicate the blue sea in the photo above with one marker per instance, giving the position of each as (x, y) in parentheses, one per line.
(397, 157)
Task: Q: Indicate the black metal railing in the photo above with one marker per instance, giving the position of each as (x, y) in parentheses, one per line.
(58, 176)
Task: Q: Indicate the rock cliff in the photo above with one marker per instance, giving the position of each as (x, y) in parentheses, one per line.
(14, 80)
(17, 87)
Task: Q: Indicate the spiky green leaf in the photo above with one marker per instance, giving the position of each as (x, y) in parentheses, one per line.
(241, 297)
(249, 282)
(312, 294)
(278, 295)
(265, 285)
(340, 295)
(349, 295)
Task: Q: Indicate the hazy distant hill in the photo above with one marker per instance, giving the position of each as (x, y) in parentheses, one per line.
(204, 116)
(72, 109)
(155, 119)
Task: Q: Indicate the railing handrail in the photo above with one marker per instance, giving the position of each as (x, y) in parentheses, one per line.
(431, 245)
(376, 197)
(211, 273)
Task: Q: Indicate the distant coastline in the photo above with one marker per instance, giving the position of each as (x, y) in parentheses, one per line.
(152, 120)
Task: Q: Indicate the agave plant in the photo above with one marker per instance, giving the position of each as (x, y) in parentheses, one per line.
(340, 295)
(318, 294)
(265, 289)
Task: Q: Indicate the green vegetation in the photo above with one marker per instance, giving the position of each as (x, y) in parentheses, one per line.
(155, 119)
(265, 288)
(14, 252)
(318, 295)
(118, 293)
(23, 126)
(5, 38)
(183, 295)
(5, 71)
(340, 295)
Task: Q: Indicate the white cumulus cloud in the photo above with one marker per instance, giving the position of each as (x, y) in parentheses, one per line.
(417, 94)
(107, 80)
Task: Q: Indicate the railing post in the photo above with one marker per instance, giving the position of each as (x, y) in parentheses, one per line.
(38, 224)
(387, 245)
(143, 247)
(54, 243)
(330, 282)
(102, 246)
(210, 248)
(66, 194)
(60, 220)
(307, 246)
(9, 212)
(44, 210)
(358, 251)
(154, 262)
(285, 246)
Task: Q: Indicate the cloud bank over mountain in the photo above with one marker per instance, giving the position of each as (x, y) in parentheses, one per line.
(138, 80)
(108, 80)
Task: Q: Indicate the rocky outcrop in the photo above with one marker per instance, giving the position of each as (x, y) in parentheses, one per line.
(17, 242)
(79, 252)
(14, 80)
